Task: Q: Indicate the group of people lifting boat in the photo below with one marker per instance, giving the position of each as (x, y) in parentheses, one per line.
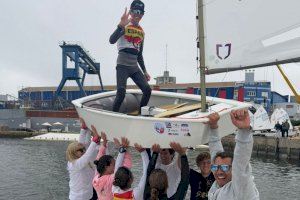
(166, 174)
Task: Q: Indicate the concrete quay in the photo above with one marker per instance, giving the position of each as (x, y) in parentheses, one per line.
(270, 146)
(18, 134)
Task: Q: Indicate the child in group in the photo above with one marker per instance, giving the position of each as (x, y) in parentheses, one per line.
(122, 185)
(201, 182)
(80, 156)
(107, 166)
(169, 161)
(157, 182)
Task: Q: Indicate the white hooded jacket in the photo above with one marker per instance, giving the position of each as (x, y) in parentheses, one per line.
(242, 186)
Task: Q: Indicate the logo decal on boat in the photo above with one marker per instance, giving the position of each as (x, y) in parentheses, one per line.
(168, 125)
(222, 48)
(159, 127)
(172, 128)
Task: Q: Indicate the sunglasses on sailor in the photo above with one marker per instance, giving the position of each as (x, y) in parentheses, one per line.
(137, 12)
(224, 168)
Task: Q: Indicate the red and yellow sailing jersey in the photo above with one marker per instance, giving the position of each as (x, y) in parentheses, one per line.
(124, 196)
(132, 38)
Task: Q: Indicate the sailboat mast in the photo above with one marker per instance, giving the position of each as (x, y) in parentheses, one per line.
(202, 54)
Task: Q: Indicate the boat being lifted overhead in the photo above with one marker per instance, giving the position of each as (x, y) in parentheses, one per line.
(248, 41)
(178, 117)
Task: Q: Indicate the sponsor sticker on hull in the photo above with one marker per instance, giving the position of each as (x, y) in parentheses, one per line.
(172, 128)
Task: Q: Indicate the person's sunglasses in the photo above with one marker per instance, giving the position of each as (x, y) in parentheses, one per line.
(82, 150)
(137, 12)
(224, 168)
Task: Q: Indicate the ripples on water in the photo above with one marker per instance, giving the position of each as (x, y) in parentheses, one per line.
(35, 170)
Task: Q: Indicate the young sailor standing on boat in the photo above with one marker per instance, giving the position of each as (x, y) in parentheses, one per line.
(233, 174)
(129, 36)
(80, 156)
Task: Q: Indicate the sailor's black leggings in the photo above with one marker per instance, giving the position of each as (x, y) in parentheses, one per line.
(123, 73)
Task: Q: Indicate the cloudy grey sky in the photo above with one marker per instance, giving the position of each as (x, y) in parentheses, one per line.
(31, 31)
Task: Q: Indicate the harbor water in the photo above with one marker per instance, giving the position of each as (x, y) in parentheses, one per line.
(36, 170)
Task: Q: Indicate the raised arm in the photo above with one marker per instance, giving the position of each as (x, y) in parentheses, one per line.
(242, 178)
(151, 166)
(124, 157)
(215, 144)
(185, 171)
(121, 28)
(85, 134)
(139, 190)
(103, 148)
(116, 34)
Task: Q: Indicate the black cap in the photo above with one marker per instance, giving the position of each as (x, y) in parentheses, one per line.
(137, 5)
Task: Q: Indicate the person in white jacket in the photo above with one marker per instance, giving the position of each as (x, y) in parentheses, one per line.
(233, 173)
(80, 156)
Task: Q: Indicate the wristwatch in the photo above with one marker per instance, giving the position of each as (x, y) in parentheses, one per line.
(122, 149)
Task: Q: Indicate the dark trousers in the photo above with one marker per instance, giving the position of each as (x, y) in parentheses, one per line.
(282, 133)
(123, 73)
(285, 131)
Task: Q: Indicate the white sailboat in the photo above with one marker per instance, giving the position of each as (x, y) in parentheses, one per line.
(280, 115)
(261, 121)
(233, 35)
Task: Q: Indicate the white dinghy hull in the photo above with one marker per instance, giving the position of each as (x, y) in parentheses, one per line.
(187, 129)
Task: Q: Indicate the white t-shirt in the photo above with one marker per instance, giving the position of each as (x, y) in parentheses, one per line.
(173, 173)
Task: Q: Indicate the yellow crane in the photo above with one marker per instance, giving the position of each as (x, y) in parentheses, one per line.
(297, 96)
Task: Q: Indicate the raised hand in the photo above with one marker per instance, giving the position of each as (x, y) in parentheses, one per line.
(125, 18)
(156, 148)
(94, 130)
(104, 138)
(138, 147)
(124, 142)
(95, 135)
(240, 118)
(83, 125)
(117, 143)
(213, 120)
(178, 148)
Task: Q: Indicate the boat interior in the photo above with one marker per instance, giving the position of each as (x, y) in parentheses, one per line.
(161, 106)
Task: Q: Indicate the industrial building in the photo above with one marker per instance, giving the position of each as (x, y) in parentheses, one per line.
(249, 91)
(258, 92)
(38, 101)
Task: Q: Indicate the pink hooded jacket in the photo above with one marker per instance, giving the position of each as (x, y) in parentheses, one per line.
(103, 184)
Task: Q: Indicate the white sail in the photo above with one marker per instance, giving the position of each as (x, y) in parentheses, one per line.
(261, 120)
(280, 115)
(242, 34)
